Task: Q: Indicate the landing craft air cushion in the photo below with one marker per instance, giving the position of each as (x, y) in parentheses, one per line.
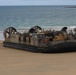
(39, 40)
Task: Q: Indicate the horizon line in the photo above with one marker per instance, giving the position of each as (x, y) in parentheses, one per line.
(37, 5)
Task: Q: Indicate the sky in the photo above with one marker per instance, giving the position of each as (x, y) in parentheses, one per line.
(37, 2)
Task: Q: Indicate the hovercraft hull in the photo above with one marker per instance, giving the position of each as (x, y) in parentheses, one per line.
(57, 48)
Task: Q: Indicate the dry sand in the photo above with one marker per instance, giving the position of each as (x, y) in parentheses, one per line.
(18, 62)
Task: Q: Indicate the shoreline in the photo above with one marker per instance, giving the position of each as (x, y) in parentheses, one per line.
(1, 41)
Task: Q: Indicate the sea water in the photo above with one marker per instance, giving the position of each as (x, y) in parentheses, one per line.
(25, 17)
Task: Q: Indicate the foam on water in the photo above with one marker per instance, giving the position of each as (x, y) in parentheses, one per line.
(1, 35)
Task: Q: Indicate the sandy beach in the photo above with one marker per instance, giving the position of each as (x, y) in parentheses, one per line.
(19, 62)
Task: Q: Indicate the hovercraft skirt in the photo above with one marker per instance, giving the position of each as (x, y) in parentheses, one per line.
(62, 47)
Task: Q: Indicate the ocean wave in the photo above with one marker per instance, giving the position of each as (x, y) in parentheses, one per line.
(56, 28)
(1, 35)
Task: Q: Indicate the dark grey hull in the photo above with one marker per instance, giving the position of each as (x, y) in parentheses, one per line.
(61, 47)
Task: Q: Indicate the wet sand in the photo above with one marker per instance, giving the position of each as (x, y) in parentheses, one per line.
(19, 62)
